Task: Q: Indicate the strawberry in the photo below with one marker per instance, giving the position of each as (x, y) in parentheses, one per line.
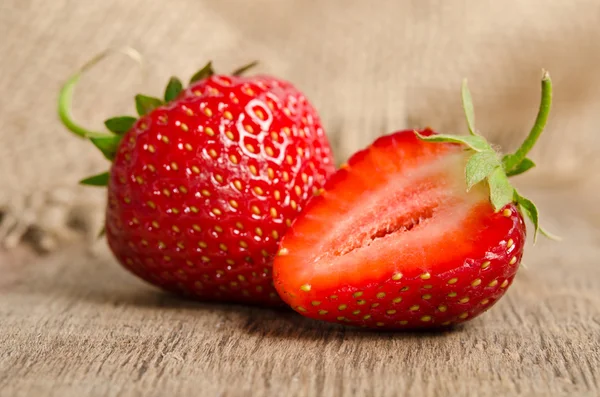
(205, 182)
(418, 230)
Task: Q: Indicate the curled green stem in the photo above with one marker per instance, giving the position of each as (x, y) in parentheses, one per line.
(511, 161)
(65, 96)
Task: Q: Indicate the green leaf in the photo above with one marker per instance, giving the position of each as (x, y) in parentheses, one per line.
(203, 73)
(475, 142)
(501, 191)
(102, 232)
(173, 89)
(480, 166)
(120, 125)
(522, 167)
(96, 180)
(107, 145)
(467, 102)
(244, 69)
(145, 104)
(530, 210)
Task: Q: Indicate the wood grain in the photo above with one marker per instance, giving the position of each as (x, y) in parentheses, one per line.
(75, 324)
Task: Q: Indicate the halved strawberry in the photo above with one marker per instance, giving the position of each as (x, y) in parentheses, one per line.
(396, 239)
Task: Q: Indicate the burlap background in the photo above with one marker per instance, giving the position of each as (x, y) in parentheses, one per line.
(370, 67)
(74, 324)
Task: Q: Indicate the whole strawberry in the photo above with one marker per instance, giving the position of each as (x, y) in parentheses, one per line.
(204, 184)
(418, 230)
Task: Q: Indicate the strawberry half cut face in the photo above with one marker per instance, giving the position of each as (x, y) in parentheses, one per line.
(395, 240)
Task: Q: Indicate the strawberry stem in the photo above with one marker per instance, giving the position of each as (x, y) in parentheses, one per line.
(513, 161)
(65, 96)
(64, 109)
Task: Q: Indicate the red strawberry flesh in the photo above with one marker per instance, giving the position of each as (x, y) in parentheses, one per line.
(397, 241)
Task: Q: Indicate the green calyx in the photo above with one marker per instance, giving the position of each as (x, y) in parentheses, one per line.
(108, 142)
(485, 165)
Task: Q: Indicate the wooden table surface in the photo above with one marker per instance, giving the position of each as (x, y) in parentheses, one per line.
(75, 324)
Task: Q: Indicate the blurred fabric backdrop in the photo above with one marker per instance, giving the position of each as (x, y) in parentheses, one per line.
(370, 67)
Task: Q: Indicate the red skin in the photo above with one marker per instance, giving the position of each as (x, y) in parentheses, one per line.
(193, 180)
(448, 267)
